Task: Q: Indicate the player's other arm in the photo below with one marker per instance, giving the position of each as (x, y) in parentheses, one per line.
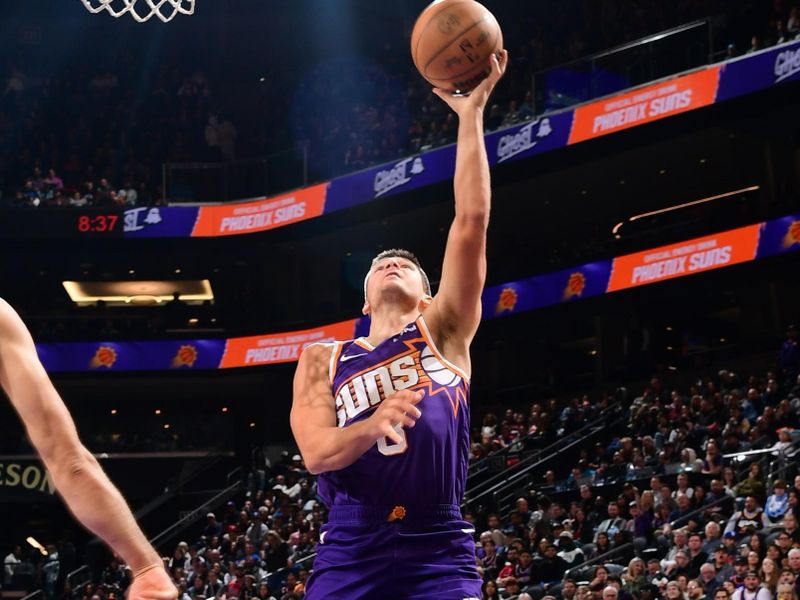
(324, 446)
(80, 480)
(457, 303)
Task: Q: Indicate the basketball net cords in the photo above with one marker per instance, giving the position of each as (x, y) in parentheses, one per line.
(153, 5)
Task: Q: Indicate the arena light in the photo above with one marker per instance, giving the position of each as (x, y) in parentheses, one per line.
(616, 229)
(138, 293)
(33, 542)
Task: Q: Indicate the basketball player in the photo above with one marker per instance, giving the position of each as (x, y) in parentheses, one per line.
(91, 497)
(384, 420)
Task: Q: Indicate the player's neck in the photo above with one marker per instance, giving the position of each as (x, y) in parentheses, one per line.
(386, 323)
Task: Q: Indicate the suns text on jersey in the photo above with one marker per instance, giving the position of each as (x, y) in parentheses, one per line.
(366, 390)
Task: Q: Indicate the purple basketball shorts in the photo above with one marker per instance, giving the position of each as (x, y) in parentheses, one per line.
(400, 553)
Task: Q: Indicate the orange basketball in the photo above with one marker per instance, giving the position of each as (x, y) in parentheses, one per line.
(452, 42)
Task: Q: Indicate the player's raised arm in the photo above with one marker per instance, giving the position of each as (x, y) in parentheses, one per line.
(457, 307)
(78, 477)
(325, 446)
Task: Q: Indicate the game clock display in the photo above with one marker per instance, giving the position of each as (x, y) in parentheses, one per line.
(61, 223)
(97, 223)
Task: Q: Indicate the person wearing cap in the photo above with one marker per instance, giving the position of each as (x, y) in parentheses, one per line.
(752, 589)
(740, 568)
(212, 527)
(568, 551)
(721, 561)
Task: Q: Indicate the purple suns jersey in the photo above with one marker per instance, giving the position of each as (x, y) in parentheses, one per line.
(430, 466)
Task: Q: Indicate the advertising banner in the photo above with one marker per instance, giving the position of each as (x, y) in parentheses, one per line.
(281, 347)
(546, 290)
(131, 356)
(160, 221)
(759, 71)
(22, 479)
(645, 105)
(261, 215)
(685, 258)
(542, 135)
(584, 281)
(779, 236)
(405, 175)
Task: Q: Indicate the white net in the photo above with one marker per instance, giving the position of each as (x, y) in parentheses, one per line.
(142, 10)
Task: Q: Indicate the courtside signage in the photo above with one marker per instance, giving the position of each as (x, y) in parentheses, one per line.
(699, 255)
(610, 115)
(282, 347)
(261, 215)
(760, 71)
(686, 258)
(645, 105)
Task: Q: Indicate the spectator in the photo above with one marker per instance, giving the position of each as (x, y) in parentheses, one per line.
(708, 579)
(752, 589)
(634, 577)
(10, 563)
(489, 591)
(777, 503)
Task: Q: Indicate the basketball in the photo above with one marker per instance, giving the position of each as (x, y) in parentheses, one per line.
(451, 44)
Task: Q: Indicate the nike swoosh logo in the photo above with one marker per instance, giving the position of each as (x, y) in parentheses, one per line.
(346, 358)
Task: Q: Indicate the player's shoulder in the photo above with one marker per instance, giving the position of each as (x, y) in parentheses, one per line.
(318, 352)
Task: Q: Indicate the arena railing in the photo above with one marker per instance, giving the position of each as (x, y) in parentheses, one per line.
(234, 480)
(78, 579)
(600, 557)
(215, 182)
(491, 462)
(505, 484)
(623, 67)
(35, 595)
(278, 578)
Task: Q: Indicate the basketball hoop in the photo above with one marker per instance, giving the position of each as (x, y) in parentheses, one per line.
(166, 10)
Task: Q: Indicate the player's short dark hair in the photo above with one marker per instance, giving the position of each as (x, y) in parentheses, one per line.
(400, 253)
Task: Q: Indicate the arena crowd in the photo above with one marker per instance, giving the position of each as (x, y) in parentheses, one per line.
(89, 137)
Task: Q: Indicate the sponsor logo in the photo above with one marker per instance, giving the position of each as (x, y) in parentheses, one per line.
(185, 357)
(398, 176)
(346, 358)
(787, 64)
(105, 357)
(507, 301)
(137, 219)
(792, 236)
(525, 139)
(575, 286)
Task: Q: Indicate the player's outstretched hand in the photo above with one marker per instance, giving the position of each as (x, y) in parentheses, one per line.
(153, 584)
(398, 409)
(480, 95)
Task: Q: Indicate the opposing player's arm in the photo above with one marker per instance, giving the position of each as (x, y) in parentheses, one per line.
(457, 305)
(91, 497)
(324, 446)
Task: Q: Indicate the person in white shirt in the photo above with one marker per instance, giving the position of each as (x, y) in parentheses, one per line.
(10, 563)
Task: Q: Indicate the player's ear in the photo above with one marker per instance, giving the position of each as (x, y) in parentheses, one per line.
(425, 302)
(365, 310)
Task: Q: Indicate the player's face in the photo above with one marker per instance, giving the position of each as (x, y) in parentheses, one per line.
(394, 277)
